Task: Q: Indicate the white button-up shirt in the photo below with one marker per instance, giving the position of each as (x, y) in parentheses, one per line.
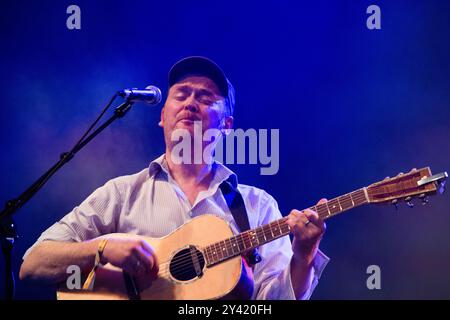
(150, 203)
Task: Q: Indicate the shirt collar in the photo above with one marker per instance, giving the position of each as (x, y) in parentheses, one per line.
(157, 165)
(221, 172)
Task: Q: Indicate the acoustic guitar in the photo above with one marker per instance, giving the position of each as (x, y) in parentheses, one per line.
(202, 258)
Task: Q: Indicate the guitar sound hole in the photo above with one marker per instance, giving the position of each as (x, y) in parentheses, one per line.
(187, 264)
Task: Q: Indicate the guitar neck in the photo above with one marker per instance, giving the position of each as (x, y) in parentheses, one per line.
(236, 245)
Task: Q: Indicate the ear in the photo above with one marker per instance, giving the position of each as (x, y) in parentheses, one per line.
(228, 125)
(161, 121)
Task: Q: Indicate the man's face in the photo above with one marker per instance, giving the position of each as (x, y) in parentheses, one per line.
(195, 98)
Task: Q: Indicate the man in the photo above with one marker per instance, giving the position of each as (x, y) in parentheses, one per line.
(170, 192)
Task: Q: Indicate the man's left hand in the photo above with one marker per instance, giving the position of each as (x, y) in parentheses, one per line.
(308, 230)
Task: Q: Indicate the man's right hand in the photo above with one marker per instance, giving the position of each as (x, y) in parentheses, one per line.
(134, 256)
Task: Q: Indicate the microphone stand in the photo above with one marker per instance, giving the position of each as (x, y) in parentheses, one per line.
(8, 231)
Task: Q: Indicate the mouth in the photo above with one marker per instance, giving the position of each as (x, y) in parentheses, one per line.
(188, 119)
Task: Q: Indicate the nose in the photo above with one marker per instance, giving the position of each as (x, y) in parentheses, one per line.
(191, 104)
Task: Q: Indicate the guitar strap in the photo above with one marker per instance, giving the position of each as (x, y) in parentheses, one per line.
(236, 205)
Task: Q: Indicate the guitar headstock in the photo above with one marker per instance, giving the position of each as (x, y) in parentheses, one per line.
(416, 183)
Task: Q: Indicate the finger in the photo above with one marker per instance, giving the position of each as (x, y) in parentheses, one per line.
(306, 220)
(311, 215)
(154, 267)
(295, 213)
(144, 260)
(299, 223)
(132, 266)
(322, 201)
(315, 220)
(149, 250)
(293, 217)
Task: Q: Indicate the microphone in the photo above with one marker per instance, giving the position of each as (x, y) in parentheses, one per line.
(150, 95)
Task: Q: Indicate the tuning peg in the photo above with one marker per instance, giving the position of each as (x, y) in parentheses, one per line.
(442, 187)
(424, 198)
(408, 202)
(395, 202)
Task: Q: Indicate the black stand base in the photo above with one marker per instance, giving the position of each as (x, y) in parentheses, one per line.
(8, 236)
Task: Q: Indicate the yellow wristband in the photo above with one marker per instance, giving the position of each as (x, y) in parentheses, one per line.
(89, 283)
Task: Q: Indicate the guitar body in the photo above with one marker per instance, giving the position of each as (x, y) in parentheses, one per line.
(214, 282)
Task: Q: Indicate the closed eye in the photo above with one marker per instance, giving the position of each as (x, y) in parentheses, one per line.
(203, 96)
(180, 96)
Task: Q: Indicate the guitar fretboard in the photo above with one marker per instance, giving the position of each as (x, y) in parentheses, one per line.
(236, 245)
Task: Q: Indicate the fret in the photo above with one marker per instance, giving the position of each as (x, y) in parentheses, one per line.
(229, 248)
(218, 251)
(211, 252)
(286, 227)
(235, 245)
(351, 198)
(336, 208)
(356, 199)
(359, 197)
(271, 231)
(339, 204)
(253, 239)
(212, 256)
(240, 242)
(346, 202)
(328, 209)
(275, 232)
(322, 210)
(260, 235)
(215, 250)
(332, 207)
(246, 240)
(279, 227)
(365, 194)
(214, 253)
(206, 251)
(223, 249)
(268, 235)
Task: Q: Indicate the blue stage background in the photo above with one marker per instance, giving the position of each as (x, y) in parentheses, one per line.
(353, 106)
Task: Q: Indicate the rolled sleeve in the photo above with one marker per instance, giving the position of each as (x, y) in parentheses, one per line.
(319, 263)
(94, 217)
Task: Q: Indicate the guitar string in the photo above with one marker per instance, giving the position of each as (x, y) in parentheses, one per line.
(184, 265)
(240, 240)
(185, 260)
